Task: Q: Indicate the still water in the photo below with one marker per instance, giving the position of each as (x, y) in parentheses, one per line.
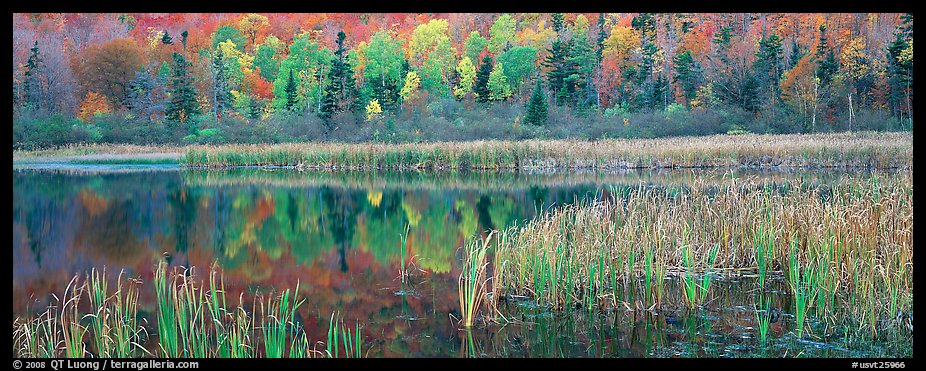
(338, 235)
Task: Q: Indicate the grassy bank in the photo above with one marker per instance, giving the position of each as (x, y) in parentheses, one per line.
(861, 149)
(843, 253)
(193, 319)
(103, 154)
(878, 150)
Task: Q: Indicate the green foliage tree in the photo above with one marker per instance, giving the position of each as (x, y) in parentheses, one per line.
(560, 66)
(221, 95)
(900, 75)
(433, 56)
(384, 70)
(474, 45)
(581, 64)
(32, 86)
(228, 33)
(768, 69)
(467, 72)
(519, 66)
(501, 35)
(687, 75)
(267, 58)
(827, 65)
(145, 97)
(499, 89)
(290, 90)
(310, 64)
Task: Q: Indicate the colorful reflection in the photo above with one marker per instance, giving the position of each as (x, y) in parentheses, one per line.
(338, 236)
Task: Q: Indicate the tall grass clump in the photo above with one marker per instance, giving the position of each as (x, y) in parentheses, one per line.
(278, 319)
(763, 312)
(340, 335)
(844, 248)
(697, 286)
(472, 280)
(194, 319)
(168, 332)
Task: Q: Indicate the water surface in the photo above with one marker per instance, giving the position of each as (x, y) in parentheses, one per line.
(338, 235)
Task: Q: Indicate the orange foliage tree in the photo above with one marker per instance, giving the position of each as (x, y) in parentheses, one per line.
(93, 104)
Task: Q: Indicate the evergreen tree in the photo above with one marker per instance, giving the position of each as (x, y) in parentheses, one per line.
(481, 87)
(796, 54)
(182, 105)
(537, 107)
(290, 91)
(145, 97)
(557, 62)
(827, 65)
(580, 65)
(687, 75)
(166, 39)
(221, 96)
(32, 86)
(899, 75)
(767, 67)
(341, 94)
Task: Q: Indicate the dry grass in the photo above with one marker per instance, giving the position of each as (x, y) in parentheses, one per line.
(879, 150)
(850, 244)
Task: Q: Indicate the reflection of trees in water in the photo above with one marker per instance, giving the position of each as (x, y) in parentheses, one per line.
(124, 217)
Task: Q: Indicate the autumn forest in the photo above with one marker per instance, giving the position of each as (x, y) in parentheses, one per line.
(262, 78)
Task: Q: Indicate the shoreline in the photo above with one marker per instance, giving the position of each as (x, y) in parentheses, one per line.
(861, 150)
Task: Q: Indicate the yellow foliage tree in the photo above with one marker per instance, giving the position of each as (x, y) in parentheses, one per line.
(374, 110)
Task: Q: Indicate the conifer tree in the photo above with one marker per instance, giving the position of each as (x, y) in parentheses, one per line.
(537, 107)
(221, 96)
(341, 94)
(481, 87)
(182, 105)
(290, 91)
(32, 87)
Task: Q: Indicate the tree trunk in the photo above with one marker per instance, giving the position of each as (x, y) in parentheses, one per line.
(813, 121)
(850, 112)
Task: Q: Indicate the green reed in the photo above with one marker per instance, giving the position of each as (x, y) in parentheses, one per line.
(803, 288)
(194, 320)
(472, 279)
(125, 329)
(278, 319)
(763, 313)
(403, 240)
(100, 316)
(697, 288)
(168, 334)
(878, 149)
(339, 334)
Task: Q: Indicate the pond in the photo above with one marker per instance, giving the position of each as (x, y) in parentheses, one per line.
(338, 235)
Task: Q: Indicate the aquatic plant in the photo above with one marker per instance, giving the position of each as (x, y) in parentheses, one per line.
(472, 281)
(278, 319)
(339, 334)
(763, 312)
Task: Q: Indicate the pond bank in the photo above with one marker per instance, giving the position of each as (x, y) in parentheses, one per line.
(837, 150)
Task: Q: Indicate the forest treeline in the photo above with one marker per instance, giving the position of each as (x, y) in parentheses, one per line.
(256, 78)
